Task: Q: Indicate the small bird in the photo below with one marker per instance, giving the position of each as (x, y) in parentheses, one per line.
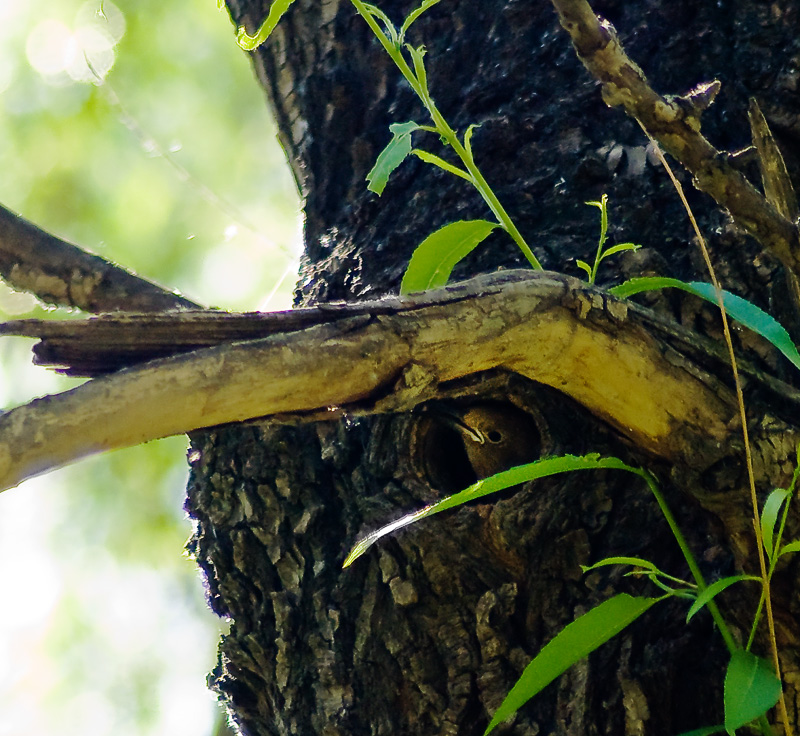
(496, 435)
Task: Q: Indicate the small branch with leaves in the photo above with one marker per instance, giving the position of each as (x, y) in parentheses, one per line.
(675, 123)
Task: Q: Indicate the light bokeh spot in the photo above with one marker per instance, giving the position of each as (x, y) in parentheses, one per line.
(104, 630)
(84, 52)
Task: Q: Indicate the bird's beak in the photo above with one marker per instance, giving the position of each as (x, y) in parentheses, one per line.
(452, 418)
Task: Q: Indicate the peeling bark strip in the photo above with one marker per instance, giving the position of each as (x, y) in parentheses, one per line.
(61, 273)
(389, 356)
(675, 124)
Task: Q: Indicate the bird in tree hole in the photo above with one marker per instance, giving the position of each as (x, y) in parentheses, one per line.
(466, 443)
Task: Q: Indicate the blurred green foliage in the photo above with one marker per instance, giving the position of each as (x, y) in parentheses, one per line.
(145, 156)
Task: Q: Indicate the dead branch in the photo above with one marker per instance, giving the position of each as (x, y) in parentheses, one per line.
(617, 359)
(60, 273)
(109, 342)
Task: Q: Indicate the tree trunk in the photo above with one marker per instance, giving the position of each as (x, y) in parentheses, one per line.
(428, 632)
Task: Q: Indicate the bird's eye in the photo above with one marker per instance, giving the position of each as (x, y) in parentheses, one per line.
(494, 436)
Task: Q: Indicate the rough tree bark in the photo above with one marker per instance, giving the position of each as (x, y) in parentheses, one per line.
(427, 633)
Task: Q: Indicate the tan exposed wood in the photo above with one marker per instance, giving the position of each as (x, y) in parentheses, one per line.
(391, 355)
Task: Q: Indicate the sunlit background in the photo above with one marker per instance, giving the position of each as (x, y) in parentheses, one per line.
(134, 129)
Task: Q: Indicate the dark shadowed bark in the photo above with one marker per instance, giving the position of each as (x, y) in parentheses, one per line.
(428, 632)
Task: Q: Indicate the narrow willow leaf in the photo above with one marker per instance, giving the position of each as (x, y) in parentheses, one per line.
(432, 158)
(714, 589)
(276, 11)
(646, 283)
(435, 257)
(647, 569)
(417, 60)
(392, 156)
(585, 266)
(769, 515)
(391, 31)
(376, 12)
(635, 561)
(619, 248)
(789, 548)
(468, 138)
(574, 642)
(751, 689)
(498, 482)
(737, 308)
(414, 14)
(602, 205)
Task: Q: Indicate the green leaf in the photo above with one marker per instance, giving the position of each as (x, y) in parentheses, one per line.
(602, 205)
(276, 11)
(645, 568)
(468, 138)
(789, 548)
(619, 248)
(417, 60)
(585, 266)
(414, 14)
(769, 515)
(635, 561)
(737, 308)
(392, 156)
(646, 283)
(751, 689)
(498, 482)
(574, 642)
(431, 158)
(705, 731)
(391, 31)
(435, 257)
(714, 589)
